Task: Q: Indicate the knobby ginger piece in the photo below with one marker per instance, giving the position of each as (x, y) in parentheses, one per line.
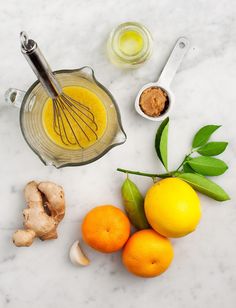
(46, 208)
(23, 237)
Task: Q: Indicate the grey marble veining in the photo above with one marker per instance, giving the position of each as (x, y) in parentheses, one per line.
(73, 34)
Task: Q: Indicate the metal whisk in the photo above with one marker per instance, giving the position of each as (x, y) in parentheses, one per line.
(66, 110)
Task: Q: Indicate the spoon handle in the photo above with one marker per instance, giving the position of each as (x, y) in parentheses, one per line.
(39, 65)
(173, 63)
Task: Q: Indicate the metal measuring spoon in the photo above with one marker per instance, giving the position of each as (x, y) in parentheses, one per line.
(164, 81)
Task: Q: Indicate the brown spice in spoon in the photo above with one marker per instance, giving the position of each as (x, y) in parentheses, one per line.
(153, 101)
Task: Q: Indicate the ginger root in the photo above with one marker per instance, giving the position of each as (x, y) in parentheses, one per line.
(46, 208)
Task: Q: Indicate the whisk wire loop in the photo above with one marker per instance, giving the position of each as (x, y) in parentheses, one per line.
(59, 125)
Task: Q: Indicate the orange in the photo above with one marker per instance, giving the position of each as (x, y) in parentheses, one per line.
(172, 207)
(147, 253)
(106, 228)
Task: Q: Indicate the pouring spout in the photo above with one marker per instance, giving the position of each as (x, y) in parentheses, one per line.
(120, 137)
(88, 71)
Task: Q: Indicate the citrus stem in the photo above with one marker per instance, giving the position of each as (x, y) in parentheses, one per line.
(157, 175)
(151, 175)
(185, 158)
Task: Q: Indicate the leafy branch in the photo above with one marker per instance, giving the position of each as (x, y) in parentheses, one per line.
(194, 168)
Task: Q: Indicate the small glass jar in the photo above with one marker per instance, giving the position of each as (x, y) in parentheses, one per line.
(129, 45)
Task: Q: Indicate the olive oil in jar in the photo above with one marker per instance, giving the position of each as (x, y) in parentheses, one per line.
(129, 45)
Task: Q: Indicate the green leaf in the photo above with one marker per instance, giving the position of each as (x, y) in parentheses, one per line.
(134, 204)
(212, 148)
(161, 142)
(208, 165)
(203, 135)
(187, 168)
(205, 186)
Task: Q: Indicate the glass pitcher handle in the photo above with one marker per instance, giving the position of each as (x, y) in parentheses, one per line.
(14, 97)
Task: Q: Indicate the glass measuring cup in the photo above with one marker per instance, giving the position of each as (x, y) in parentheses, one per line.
(31, 104)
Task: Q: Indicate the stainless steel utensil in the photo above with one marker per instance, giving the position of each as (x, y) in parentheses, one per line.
(67, 112)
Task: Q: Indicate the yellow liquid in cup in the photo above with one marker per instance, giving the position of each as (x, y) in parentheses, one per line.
(87, 98)
(130, 42)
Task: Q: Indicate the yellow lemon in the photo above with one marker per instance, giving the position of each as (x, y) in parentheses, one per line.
(172, 207)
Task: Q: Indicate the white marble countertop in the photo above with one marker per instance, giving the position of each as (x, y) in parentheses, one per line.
(73, 34)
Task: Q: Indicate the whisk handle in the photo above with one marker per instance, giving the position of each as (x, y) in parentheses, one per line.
(39, 65)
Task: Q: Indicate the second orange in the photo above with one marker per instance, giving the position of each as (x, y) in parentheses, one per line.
(106, 228)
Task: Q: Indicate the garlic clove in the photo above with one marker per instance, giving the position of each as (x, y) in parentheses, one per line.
(77, 256)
